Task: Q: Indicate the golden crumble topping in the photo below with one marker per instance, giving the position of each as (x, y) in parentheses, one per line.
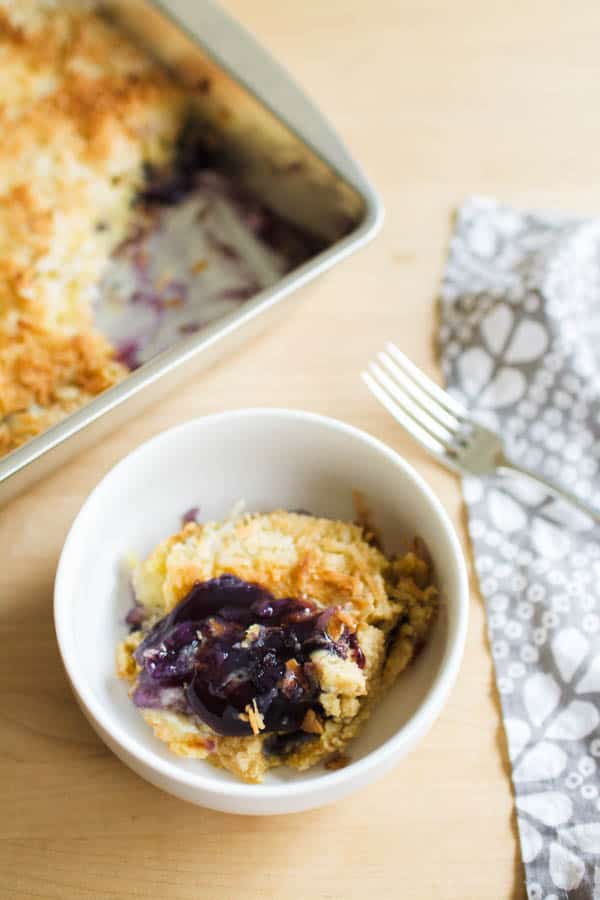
(82, 110)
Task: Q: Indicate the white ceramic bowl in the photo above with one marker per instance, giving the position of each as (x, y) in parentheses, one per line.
(269, 458)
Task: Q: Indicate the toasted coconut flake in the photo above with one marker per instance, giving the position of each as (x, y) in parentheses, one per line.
(257, 723)
(335, 627)
(293, 666)
(347, 619)
(252, 634)
(312, 723)
(338, 620)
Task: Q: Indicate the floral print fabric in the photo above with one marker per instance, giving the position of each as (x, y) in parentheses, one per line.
(520, 346)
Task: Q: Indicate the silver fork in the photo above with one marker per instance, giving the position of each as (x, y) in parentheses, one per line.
(444, 426)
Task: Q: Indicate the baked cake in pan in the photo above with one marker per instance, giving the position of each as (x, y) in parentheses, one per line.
(121, 231)
(83, 113)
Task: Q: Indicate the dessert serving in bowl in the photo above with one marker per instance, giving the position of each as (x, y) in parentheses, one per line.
(264, 640)
(282, 654)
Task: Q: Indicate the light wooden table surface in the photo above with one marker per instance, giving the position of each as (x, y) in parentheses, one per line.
(437, 100)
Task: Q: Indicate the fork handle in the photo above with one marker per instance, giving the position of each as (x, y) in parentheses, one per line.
(506, 466)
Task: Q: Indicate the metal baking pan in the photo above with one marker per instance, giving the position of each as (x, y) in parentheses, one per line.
(290, 158)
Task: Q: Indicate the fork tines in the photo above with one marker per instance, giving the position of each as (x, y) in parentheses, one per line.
(431, 415)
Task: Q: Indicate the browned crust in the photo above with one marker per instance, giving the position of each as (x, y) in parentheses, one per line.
(81, 110)
(53, 372)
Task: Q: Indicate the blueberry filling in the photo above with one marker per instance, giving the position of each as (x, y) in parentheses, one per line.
(200, 160)
(136, 617)
(230, 646)
(190, 515)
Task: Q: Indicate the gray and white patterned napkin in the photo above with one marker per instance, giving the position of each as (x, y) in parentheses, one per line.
(520, 344)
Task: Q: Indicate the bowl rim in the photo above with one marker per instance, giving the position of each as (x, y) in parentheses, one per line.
(416, 725)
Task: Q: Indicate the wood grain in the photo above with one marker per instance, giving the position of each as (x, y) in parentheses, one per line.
(437, 100)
